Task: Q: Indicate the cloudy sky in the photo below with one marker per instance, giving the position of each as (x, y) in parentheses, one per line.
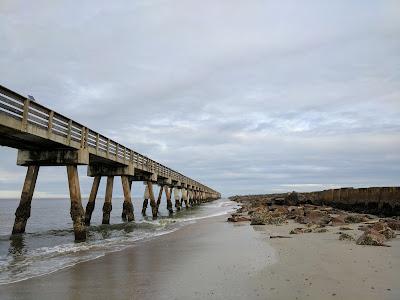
(244, 96)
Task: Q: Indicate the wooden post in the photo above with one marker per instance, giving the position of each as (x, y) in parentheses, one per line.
(153, 203)
(127, 207)
(23, 211)
(77, 213)
(92, 199)
(107, 207)
(169, 202)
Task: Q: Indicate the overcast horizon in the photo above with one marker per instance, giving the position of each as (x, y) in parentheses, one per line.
(242, 96)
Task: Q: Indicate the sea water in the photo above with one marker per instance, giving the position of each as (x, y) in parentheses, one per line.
(48, 244)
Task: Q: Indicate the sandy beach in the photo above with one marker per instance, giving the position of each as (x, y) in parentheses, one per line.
(214, 259)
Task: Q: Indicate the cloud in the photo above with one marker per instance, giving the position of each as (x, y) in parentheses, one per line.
(246, 97)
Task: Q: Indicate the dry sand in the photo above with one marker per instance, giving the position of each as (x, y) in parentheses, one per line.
(213, 259)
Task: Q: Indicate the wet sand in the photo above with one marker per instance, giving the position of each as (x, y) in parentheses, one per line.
(213, 259)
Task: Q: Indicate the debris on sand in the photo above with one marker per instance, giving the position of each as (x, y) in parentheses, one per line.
(279, 237)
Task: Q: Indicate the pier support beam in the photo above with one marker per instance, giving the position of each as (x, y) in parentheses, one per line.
(23, 211)
(145, 200)
(159, 197)
(107, 207)
(177, 200)
(127, 208)
(92, 200)
(169, 202)
(153, 203)
(185, 198)
(77, 212)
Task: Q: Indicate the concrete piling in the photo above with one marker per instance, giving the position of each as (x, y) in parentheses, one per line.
(127, 208)
(168, 196)
(77, 212)
(145, 200)
(23, 211)
(153, 203)
(177, 200)
(92, 200)
(107, 207)
(159, 197)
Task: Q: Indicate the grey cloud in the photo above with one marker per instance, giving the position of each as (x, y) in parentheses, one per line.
(250, 96)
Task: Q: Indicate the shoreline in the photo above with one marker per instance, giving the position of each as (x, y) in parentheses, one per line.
(215, 259)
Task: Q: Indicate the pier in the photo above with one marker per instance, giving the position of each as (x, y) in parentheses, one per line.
(44, 137)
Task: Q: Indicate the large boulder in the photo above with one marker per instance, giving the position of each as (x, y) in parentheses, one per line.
(356, 218)
(393, 224)
(314, 216)
(371, 237)
(292, 198)
(264, 217)
(337, 220)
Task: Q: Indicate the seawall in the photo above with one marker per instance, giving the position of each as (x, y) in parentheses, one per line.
(374, 200)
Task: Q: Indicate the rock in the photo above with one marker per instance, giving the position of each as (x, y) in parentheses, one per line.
(279, 237)
(283, 210)
(345, 228)
(337, 220)
(393, 224)
(292, 198)
(371, 237)
(388, 233)
(266, 217)
(384, 229)
(314, 217)
(345, 236)
(378, 226)
(300, 230)
(320, 230)
(238, 218)
(355, 218)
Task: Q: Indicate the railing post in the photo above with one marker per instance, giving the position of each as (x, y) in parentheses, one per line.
(108, 148)
(83, 130)
(50, 124)
(97, 143)
(69, 132)
(25, 115)
(85, 144)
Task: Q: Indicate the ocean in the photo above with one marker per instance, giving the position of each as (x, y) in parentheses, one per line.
(48, 244)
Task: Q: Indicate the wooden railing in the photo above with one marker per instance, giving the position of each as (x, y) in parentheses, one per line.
(74, 134)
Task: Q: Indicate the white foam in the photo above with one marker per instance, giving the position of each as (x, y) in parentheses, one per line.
(46, 260)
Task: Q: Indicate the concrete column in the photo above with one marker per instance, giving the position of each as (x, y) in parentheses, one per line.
(169, 202)
(159, 197)
(23, 211)
(190, 198)
(77, 212)
(145, 200)
(177, 200)
(92, 199)
(153, 203)
(127, 207)
(185, 197)
(107, 207)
